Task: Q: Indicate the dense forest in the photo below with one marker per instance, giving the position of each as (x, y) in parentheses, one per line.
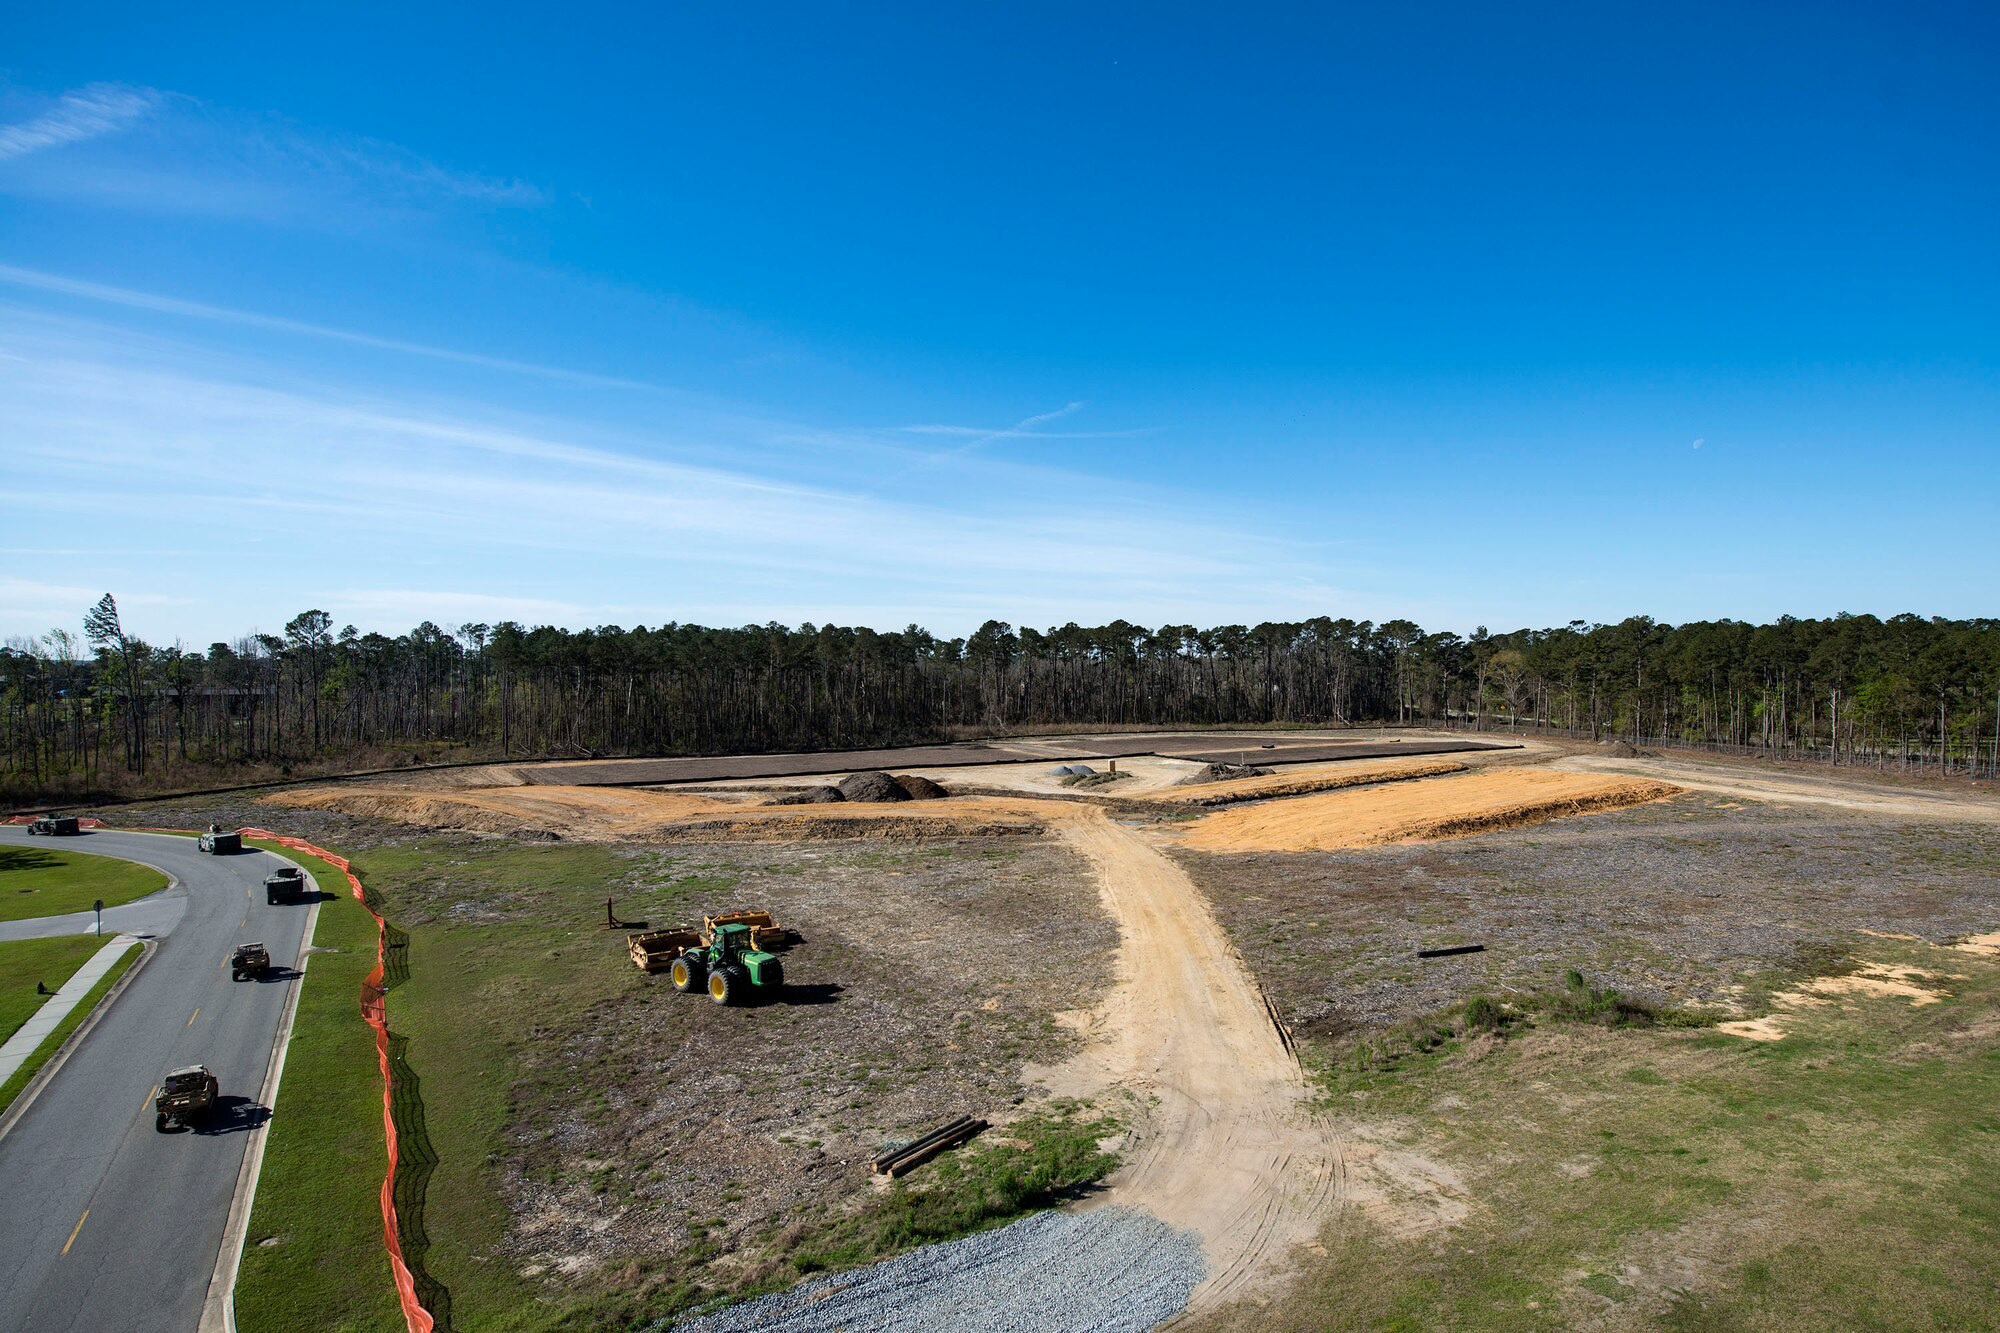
(102, 712)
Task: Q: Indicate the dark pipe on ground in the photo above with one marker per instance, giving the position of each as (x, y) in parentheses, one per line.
(1452, 951)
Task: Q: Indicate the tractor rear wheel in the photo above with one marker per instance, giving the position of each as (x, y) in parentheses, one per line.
(686, 973)
(726, 984)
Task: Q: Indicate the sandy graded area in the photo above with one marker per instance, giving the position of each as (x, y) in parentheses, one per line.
(638, 814)
(1225, 1143)
(1306, 780)
(1850, 791)
(1875, 981)
(599, 813)
(1408, 811)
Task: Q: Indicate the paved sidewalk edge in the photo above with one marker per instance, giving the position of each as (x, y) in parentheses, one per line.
(28, 1095)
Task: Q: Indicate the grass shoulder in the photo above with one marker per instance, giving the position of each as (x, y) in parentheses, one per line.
(19, 1080)
(47, 881)
(26, 964)
(314, 1257)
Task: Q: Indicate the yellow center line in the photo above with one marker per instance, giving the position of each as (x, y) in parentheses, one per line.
(196, 1014)
(72, 1235)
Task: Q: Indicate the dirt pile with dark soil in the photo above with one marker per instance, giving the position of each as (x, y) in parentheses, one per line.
(809, 796)
(920, 788)
(873, 785)
(1222, 773)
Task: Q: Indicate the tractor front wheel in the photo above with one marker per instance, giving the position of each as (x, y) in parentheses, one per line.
(726, 985)
(160, 1123)
(686, 974)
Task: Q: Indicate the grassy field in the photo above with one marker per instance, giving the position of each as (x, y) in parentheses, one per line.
(314, 1257)
(41, 881)
(47, 1050)
(705, 1152)
(609, 1152)
(1521, 1171)
(25, 962)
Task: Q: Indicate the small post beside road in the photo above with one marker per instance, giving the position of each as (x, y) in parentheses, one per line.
(98, 907)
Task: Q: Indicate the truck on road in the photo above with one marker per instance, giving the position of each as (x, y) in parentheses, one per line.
(288, 885)
(186, 1096)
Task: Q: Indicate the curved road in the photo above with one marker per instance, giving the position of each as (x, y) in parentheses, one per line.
(104, 1223)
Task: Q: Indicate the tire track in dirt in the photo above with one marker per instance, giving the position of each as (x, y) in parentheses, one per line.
(1226, 1144)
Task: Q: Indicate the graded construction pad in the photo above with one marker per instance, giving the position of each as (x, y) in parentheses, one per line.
(1112, 1270)
(1444, 807)
(1301, 781)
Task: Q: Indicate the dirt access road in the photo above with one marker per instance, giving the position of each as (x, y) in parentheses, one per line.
(1780, 788)
(1224, 1144)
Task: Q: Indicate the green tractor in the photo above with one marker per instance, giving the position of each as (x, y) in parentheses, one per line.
(734, 968)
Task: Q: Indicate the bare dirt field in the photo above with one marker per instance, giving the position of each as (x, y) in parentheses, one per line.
(1304, 781)
(628, 814)
(1207, 977)
(1403, 812)
(1197, 747)
(1677, 901)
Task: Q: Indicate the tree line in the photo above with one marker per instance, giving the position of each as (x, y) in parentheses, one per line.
(103, 711)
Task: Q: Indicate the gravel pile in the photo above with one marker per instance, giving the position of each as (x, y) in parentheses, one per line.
(1112, 1270)
(809, 796)
(872, 786)
(919, 788)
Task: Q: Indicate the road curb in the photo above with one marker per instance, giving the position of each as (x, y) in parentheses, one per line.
(218, 1308)
(147, 948)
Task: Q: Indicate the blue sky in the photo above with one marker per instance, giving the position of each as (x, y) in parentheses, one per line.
(904, 315)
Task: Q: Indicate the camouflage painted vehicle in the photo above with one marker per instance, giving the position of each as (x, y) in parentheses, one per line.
(54, 826)
(250, 960)
(186, 1095)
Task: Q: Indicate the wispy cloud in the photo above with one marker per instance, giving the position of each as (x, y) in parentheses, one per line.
(198, 159)
(1024, 429)
(87, 113)
(169, 305)
(384, 510)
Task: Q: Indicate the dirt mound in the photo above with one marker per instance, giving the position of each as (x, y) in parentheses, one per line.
(1300, 782)
(920, 788)
(1410, 811)
(874, 786)
(809, 796)
(1626, 750)
(1222, 773)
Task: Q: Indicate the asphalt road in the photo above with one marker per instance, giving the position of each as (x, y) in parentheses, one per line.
(105, 1223)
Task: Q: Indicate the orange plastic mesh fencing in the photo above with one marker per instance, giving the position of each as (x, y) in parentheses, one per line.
(375, 1012)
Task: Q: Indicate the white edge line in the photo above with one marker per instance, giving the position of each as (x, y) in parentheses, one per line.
(147, 947)
(218, 1309)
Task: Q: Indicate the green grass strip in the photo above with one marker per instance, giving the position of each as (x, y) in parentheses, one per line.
(51, 962)
(53, 1043)
(42, 881)
(314, 1257)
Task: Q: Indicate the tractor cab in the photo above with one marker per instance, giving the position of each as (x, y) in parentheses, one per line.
(730, 967)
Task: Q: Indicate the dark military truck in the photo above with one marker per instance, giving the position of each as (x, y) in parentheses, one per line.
(288, 885)
(217, 843)
(54, 826)
(250, 962)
